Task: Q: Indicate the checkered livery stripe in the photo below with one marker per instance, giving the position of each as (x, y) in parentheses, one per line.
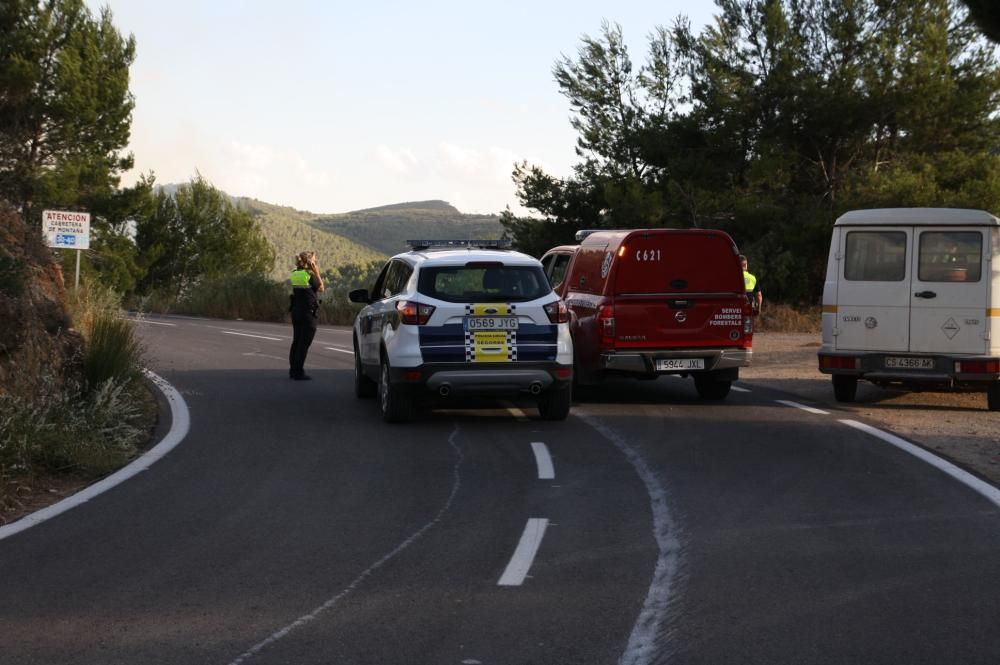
(451, 343)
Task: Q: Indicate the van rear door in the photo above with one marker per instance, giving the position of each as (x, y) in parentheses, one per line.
(874, 294)
(949, 290)
(678, 289)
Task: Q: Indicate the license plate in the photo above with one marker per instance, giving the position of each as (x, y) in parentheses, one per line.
(473, 323)
(679, 364)
(893, 362)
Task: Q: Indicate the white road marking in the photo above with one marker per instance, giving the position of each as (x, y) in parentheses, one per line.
(740, 390)
(543, 461)
(331, 348)
(524, 555)
(264, 355)
(305, 619)
(155, 323)
(644, 643)
(518, 414)
(981, 487)
(231, 332)
(808, 409)
(180, 423)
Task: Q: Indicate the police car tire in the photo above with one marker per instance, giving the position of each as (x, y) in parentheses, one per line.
(845, 388)
(554, 404)
(993, 396)
(711, 388)
(394, 404)
(364, 387)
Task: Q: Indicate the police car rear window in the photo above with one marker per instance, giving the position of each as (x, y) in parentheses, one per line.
(483, 283)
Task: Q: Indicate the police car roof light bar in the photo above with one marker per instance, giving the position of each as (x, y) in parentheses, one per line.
(471, 244)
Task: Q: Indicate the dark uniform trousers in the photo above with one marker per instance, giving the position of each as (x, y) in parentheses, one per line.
(303, 331)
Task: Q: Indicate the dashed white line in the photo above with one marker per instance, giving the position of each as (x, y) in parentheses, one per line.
(988, 491)
(808, 409)
(524, 555)
(155, 323)
(332, 348)
(180, 423)
(740, 390)
(543, 461)
(230, 332)
(518, 414)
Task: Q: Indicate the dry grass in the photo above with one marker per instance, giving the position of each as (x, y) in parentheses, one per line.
(787, 319)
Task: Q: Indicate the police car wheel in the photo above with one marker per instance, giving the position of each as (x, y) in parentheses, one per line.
(845, 388)
(555, 403)
(364, 387)
(393, 402)
(993, 396)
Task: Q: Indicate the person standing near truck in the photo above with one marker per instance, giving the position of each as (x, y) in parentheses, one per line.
(306, 284)
(752, 286)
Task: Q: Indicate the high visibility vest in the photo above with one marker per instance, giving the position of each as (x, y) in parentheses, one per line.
(300, 279)
(749, 281)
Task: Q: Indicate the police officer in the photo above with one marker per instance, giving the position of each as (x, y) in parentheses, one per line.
(306, 283)
(752, 286)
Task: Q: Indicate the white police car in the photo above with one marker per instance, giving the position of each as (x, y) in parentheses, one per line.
(462, 317)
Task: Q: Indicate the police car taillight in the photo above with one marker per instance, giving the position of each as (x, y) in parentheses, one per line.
(414, 313)
(557, 312)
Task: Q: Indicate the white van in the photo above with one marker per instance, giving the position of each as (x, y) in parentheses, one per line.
(912, 299)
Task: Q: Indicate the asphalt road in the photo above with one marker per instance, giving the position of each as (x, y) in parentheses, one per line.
(293, 526)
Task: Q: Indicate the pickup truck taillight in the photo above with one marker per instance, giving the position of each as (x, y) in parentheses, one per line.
(414, 313)
(606, 325)
(557, 312)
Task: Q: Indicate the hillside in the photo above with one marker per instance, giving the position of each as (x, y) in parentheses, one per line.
(387, 228)
(289, 231)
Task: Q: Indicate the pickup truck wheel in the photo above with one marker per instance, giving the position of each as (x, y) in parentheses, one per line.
(555, 403)
(993, 396)
(364, 387)
(711, 387)
(845, 388)
(394, 404)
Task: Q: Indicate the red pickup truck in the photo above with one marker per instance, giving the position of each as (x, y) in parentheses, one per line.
(655, 301)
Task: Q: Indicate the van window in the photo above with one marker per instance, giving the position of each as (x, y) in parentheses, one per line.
(951, 256)
(875, 256)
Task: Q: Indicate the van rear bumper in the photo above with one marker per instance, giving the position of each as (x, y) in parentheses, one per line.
(644, 362)
(947, 370)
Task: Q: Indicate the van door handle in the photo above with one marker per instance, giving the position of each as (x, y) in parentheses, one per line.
(925, 294)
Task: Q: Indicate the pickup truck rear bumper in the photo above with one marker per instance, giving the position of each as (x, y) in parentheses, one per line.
(644, 362)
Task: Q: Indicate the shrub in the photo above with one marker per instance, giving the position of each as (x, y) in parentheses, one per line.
(112, 352)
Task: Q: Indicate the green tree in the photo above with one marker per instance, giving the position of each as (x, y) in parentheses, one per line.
(197, 234)
(65, 105)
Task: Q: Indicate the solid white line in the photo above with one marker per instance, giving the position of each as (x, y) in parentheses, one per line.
(981, 487)
(646, 643)
(524, 555)
(740, 390)
(809, 409)
(543, 461)
(230, 332)
(155, 323)
(179, 426)
(305, 619)
(330, 348)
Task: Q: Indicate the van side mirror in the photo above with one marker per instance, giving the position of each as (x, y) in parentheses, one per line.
(359, 296)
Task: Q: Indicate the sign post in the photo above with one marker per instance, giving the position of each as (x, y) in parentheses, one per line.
(65, 229)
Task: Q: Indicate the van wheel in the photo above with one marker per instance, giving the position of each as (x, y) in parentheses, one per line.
(711, 387)
(555, 403)
(394, 404)
(993, 396)
(363, 385)
(845, 388)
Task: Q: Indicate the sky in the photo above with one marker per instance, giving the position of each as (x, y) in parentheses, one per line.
(333, 106)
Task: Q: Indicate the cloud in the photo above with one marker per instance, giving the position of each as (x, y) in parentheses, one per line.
(400, 160)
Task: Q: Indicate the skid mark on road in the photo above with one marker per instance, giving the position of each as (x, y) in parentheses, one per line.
(648, 642)
(372, 569)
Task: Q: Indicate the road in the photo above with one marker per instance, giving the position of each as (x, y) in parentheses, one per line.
(293, 526)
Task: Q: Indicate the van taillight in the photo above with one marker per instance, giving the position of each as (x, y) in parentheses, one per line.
(414, 313)
(977, 367)
(839, 362)
(557, 312)
(606, 324)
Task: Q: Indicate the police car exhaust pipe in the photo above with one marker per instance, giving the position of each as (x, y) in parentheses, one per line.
(444, 390)
(535, 388)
